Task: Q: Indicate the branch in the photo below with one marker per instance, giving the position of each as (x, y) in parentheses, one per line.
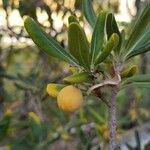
(115, 81)
(113, 120)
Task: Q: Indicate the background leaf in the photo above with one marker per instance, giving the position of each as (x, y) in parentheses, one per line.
(89, 12)
(4, 125)
(5, 3)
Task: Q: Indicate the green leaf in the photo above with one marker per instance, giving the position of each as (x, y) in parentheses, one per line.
(110, 45)
(35, 125)
(78, 44)
(130, 71)
(4, 124)
(138, 85)
(78, 4)
(98, 37)
(142, 81)
(5, 3)
(47, 43)
(89, 12)
(23, 146)
(77, 78)
(138, 78)
(139, 39)
(72, 19)
(112, 27)
(96, 116)
(142, 46)
(27, 8)
(122, 37)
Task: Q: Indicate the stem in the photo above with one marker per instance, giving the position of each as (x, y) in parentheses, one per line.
(112, 121)
(114, 82)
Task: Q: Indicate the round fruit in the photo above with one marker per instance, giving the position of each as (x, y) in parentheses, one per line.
(70, 98)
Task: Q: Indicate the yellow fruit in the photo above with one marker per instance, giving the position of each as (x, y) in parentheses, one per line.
(53, 89)
(70, 98)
